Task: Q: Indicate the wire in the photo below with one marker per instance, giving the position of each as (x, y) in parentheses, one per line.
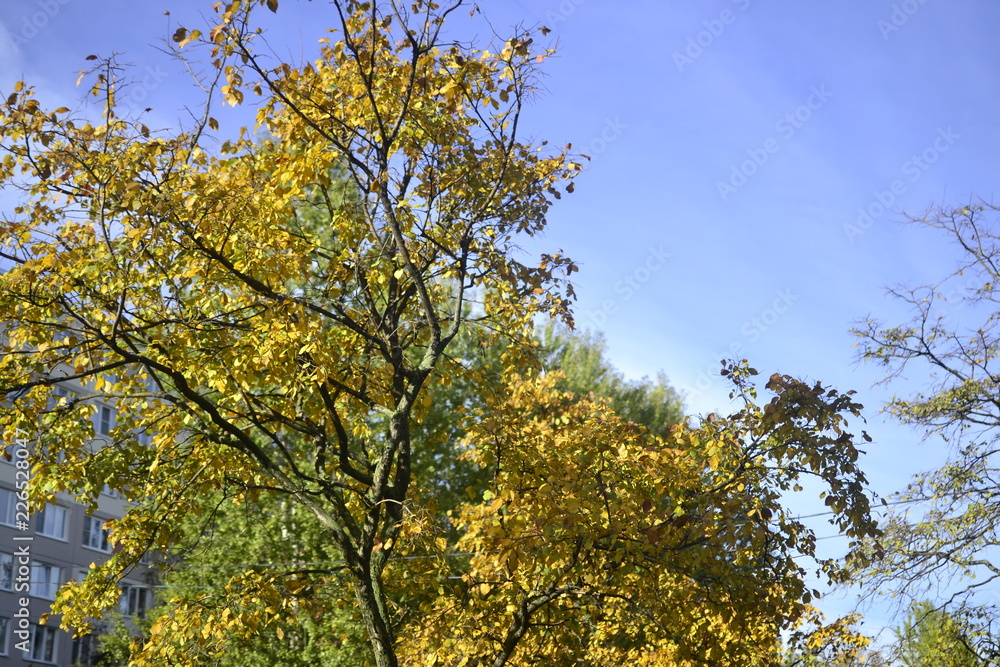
(469, 554)
(887, 504)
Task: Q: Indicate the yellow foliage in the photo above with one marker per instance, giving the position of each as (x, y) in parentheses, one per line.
(599, 542)
(270, 316)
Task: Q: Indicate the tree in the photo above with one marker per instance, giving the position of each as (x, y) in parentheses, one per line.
(930, 636)
(610, 544)
(815, 643)
(224, 538)
(254, 355)
(953, 339)
(582, 358)
(154, 270)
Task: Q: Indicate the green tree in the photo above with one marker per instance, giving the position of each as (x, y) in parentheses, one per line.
(582, 357)
(944, 527)
(930, 636)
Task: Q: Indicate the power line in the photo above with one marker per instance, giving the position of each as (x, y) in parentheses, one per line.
(887, 504)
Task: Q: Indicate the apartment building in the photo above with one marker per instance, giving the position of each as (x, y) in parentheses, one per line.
(43, 551)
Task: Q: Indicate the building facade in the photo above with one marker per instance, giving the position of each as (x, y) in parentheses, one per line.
(40, 552)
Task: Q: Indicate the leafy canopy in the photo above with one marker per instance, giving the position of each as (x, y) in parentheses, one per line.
(929, 636)
(176, 277)
(606, 543)
(274, 534)
(265, 342)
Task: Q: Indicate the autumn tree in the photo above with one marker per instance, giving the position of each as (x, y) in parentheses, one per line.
(941, 536)
(271, 533)
(154, 270)
(254, 354)
(817, 643)
(604, 543)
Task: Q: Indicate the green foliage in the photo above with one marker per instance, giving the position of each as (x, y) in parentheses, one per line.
(112, 646)
(277, 537)
(582, 357)
(930, 636)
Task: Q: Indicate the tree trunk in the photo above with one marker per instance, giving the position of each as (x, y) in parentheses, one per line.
(368, 591)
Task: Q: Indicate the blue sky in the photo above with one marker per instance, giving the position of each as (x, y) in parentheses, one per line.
(735, 145)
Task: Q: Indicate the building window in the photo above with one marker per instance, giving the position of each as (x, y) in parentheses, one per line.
(94, 534)
(84, 650)
(51, 522)
(6, 572)
(44, 580)
(8, 507)
(135, 600)
(105, 419)
(60, 393)
(43, 643)
(4, 622)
